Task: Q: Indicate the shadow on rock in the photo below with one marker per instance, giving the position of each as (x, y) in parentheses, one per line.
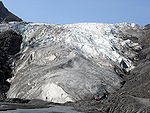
(10, 43)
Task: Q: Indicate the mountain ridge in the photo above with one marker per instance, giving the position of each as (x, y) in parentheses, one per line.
(7, 16)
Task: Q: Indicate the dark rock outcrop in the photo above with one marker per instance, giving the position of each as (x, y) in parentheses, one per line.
(147, 26)
(6, 16)
(10, 43)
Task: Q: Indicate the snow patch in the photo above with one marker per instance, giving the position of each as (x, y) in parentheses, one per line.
(54, 93)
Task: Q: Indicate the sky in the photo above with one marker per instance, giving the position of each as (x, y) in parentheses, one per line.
(81, 11)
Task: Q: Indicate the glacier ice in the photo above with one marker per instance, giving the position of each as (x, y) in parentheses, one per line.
(72, 62)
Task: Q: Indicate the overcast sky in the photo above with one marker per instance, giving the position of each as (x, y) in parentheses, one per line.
(76, 11)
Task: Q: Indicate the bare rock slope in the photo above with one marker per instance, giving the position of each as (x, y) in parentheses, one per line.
(6, 16)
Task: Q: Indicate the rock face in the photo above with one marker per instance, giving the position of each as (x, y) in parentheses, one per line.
(61, 63)
(10, 43)
(6, 16)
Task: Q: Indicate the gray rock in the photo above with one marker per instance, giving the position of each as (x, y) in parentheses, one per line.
(6, 16)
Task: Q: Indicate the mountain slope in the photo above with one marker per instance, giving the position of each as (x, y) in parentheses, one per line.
(6, 16)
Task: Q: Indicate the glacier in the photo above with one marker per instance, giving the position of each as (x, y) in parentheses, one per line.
(72, 62)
